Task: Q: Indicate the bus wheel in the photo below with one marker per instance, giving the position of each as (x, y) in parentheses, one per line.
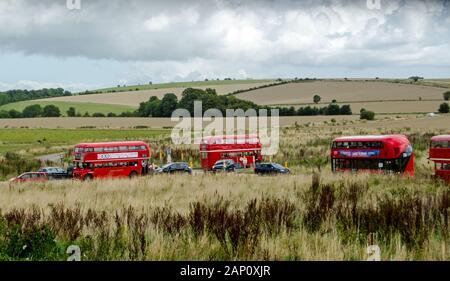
(88, 177)
(133, 174)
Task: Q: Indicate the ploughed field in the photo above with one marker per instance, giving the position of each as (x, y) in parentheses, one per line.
(309, 215)
(133, 98)
(387, 121)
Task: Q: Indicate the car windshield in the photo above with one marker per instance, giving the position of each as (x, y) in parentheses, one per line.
(166, 166)
(278, 166)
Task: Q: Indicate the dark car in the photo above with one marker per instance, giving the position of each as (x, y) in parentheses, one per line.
(54, 173)
(177, 167)
(224, 165)
(270, 169)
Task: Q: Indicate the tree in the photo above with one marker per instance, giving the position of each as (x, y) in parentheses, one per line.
(4, 114)
(86, 114)
(346, 110)
(332, 109)
(446, 95)
(367, 115)
(71, 112)
(51, 110)
(98, 114)
(316, 99)
(415, 78)
(111, 114)
(32, 111)
(444, 108)
(168, 104)
(14, 114)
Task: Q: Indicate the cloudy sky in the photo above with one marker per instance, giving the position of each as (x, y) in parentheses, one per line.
(107, 42)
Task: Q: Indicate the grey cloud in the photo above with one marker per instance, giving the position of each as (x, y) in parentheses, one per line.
(210, 37)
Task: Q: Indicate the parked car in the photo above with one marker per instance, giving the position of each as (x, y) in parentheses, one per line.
(224, 165)
(54, 173)
(176, 167)
(270, 168)
(29, 177)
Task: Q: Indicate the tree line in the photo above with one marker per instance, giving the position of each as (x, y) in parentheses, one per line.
(164, 107)
(24, 95)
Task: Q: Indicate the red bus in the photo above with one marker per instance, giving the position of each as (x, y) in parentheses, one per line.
(110, 159)
(244, 150)
(440, 154)
(388, 154)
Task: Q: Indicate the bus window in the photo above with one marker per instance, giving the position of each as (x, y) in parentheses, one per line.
(79, 149)
(98, 149)
(123, 148)
(440, 144)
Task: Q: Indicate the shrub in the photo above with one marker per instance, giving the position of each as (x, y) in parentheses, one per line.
(367, 115)
(51, 111)
(446, 95)
(444, 108)
(32, 111)
(316, 99)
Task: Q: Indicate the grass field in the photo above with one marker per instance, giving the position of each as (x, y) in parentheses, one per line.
(309, 215)
(361, 91)
(381, 96)
(15, 140)
(388, 121)
(388, 107)
(192, 84)
(133, 98)
(81, 107)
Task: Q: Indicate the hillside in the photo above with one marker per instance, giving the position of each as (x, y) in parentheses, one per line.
(133, 98)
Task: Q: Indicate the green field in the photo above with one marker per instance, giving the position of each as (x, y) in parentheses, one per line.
(81, 107)
(183, 85)
(20, 139)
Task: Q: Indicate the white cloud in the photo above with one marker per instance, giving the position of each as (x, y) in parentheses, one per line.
(157, 23)
(35, 85)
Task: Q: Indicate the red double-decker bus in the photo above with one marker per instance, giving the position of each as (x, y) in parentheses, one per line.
(389, 154)
(440, 154)
(110, 159)
(244, 150)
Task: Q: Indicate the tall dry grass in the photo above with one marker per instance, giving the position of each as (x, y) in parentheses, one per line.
(228, 217)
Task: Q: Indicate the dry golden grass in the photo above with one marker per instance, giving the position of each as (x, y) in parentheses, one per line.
(133, 98)
(179, 191)
(350, 121)
(301, 93)
(307, 150)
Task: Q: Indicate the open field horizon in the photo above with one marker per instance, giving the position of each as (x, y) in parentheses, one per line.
(380, 96)
(440, 121)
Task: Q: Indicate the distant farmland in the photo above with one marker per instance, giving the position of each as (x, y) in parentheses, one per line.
(360, 91)
(379, 96)
(133, 98)
(383, 121)
(211, 83)
(81, 107)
